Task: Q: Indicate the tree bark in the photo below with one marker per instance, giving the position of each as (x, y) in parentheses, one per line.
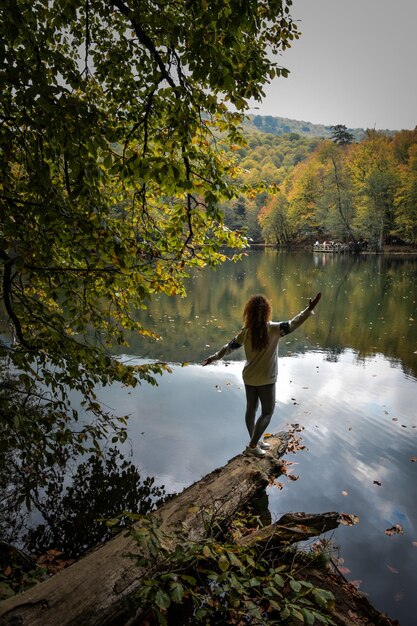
(95, 589)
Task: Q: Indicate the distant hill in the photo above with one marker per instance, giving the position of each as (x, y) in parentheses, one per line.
(283, 125)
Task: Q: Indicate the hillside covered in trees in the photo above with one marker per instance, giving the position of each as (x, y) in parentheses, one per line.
(331, 187)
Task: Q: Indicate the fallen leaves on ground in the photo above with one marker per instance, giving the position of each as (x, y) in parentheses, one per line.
(54, 561)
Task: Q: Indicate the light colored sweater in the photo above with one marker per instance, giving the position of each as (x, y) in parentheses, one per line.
(261, 367)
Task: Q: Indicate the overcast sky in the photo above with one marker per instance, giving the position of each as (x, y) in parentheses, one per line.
(354, 64)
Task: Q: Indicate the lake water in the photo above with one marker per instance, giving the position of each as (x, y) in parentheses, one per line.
(348, 377)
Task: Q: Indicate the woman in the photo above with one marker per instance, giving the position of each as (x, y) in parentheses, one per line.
(260, 338)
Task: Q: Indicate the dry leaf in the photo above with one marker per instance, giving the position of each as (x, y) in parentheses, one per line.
(356, 583)
(347, 519)
(395, 530)
(414, 459)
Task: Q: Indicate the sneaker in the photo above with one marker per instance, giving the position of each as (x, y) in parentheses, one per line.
(254, 452)
(263, 444)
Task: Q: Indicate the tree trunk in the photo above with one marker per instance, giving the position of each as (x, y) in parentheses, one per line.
(95, 589)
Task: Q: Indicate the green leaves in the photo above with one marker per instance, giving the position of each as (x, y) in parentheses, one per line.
(115, 161)
(222, 581)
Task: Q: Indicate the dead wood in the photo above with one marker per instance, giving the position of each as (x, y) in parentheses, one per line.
(291, 528)
(95, 589)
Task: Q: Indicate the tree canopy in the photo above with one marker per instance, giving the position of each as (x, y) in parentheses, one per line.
(112, 171)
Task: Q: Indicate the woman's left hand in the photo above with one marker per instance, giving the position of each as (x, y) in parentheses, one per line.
(313, 302)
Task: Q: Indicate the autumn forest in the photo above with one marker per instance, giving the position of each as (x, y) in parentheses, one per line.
(337, 187)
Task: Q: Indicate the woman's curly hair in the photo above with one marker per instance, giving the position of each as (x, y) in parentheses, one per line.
(256, 315)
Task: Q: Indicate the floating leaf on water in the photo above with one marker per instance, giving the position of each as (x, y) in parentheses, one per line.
(293, 476)
(348, 519)
(395, 530)
(344, 493)
(414, 543)
(414, 459)
(393, 570)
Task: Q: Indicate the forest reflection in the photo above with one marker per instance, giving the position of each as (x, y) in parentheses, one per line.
(368, 305)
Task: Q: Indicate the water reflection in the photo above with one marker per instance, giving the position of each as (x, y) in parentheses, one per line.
(368, 305)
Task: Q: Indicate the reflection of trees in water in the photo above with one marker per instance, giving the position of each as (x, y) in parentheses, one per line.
(333, 353)
(101, 488)
(367, 304)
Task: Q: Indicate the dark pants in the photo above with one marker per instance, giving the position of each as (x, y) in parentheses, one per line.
(266, 395)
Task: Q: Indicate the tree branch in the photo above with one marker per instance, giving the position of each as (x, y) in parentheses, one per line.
(7, 290)
(144, 40)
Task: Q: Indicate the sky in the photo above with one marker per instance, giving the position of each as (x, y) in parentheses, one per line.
(354, 64)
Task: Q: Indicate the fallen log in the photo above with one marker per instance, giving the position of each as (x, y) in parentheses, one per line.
(95, 589)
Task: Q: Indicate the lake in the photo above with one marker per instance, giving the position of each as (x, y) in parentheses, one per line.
(348, 377)
(347, 380)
